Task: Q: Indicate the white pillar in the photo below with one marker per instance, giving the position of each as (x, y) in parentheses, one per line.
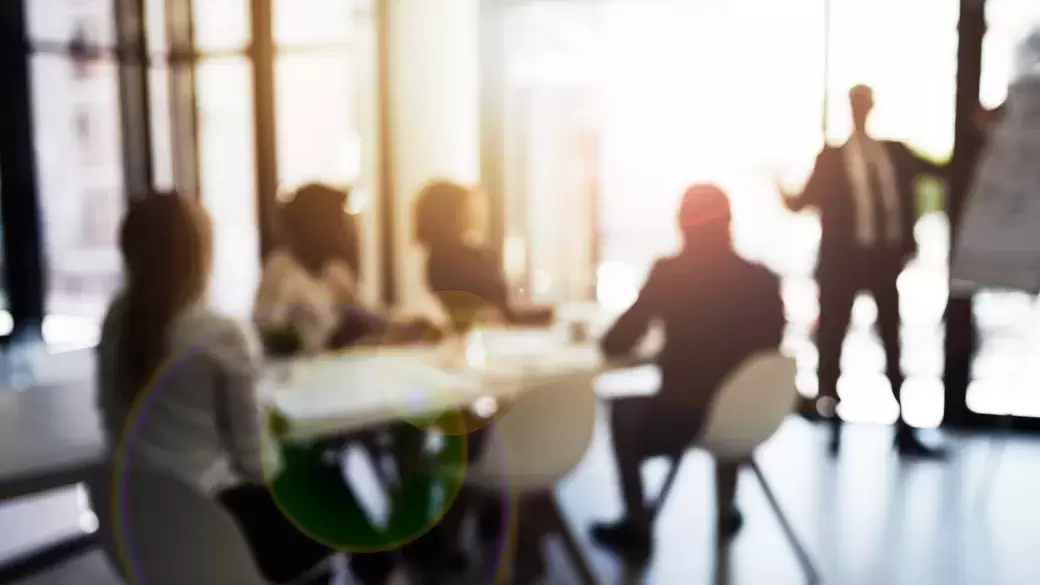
(435, 115)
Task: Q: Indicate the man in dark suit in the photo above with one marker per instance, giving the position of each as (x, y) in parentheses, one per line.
(717, 310)
(865, 193)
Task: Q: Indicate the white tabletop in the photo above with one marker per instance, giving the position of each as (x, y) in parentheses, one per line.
(342, 393)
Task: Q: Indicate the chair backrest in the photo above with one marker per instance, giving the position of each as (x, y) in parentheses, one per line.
(750, 406)
(167, 533)
(539, 439)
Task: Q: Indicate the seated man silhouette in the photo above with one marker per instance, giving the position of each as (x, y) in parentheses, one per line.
(717, 310)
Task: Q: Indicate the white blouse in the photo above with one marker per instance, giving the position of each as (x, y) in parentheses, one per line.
(201, 418)
(290, 295)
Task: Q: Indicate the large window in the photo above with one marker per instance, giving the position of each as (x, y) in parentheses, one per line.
(78, 146)
(227, 176)
(618, 106)
(322, 79)
(133, 97)
(669, 93)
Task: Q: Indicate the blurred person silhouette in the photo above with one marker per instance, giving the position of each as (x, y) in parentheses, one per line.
(308, 289)
(204, 422)
(716, 310)
(308, 302)
(865, 193)
(465, 276)
(308, 294)
(467, 279)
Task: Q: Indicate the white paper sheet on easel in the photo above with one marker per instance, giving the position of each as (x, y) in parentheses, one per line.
(999, 243)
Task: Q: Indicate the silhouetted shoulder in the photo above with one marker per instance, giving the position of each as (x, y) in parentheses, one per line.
(203, 332)
(829, 153)
(113, 319)
(759, 277)
(668, 265)
(485, 258)
(668, 270)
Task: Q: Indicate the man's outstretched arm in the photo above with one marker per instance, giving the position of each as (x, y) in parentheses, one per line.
(812, 193)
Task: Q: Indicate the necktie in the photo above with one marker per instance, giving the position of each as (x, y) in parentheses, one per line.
(877, 202)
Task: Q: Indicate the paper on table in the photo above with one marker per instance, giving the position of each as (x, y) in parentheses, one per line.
(999, 243)
(336, 394)
(361, 385)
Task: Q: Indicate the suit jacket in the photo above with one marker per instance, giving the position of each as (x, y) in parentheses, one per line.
(717, 310)
(830, 190)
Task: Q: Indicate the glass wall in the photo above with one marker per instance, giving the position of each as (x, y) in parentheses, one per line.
(79, 153)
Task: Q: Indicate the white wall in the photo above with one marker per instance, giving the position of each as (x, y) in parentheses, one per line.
(435, 114)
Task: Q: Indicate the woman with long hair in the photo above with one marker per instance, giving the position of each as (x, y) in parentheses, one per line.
(198, 372)
(465, 276)
(308, 290)
(467, 279)
(308, 299)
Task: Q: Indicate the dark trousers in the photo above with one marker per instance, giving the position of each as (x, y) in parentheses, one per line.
(654, 426)
(876, 273)
(445, 536)
(280, 550)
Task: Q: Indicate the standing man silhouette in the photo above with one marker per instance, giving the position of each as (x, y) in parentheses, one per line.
(864, 191)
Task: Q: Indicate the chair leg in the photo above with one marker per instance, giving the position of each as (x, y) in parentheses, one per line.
(796, 543)
(662, 497)
(570, 542)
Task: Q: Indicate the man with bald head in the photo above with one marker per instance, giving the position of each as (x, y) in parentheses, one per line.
(716, 310)
(864, 191)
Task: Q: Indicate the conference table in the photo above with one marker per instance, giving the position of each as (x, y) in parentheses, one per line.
(54, 436)
(361, 388)
(331, 396)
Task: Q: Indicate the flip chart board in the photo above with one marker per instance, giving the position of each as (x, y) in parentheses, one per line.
(999, 243)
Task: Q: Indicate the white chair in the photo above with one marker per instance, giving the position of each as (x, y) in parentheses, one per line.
(748, 409)
(538, 440)
(168, 534)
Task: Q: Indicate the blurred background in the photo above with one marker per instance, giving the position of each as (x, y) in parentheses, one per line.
(582, 120)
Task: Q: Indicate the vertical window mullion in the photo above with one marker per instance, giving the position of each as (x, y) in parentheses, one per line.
(492, 135)
(387, 205)
(19, 188)
(183, 105)
(825, 122)
(134, 97)
(961, 334)
(262, 56)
